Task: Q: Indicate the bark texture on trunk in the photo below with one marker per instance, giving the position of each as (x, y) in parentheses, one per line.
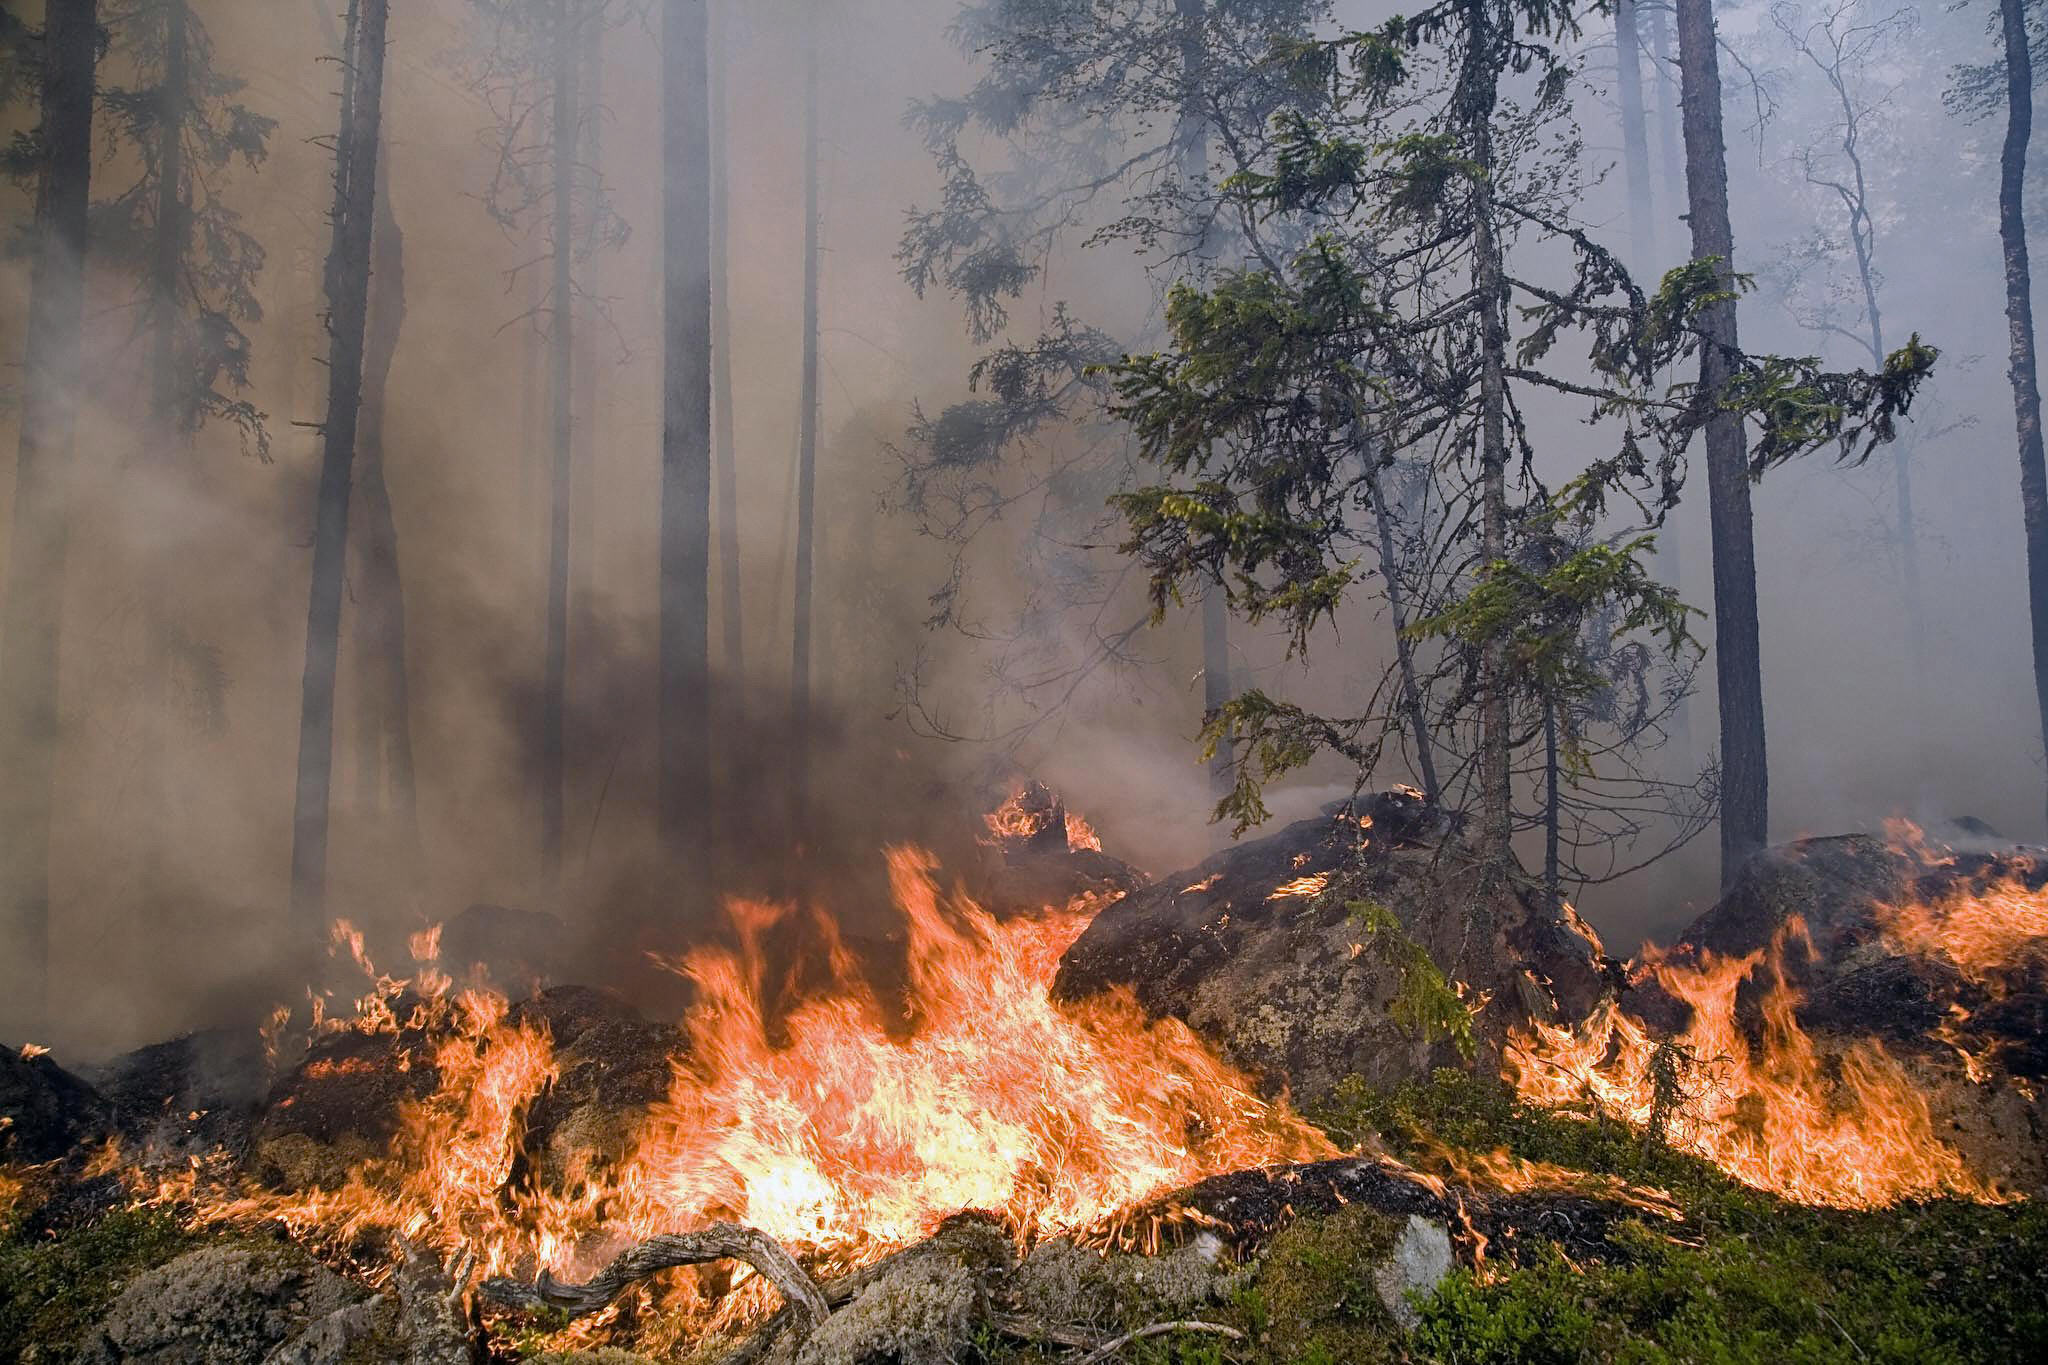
(561, 378)
(2019, 316)
(807, 453)
(684, 742)
(348, 284)
(1738, 671)
(31, 614)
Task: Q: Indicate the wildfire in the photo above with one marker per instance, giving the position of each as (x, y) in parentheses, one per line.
(1848, 1127)
(839, 1136)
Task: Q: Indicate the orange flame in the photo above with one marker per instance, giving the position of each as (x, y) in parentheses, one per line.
(1851, 1128)
(841, 1137)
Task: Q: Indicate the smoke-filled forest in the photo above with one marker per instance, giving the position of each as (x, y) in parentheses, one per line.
(1009, 681)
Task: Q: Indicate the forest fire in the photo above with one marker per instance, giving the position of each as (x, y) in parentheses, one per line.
(840, 1136)
(1747, 1087)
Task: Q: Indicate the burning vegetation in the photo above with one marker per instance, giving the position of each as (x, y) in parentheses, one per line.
(839, 1148)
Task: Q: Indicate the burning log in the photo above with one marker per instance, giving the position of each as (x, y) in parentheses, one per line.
(719, 1242)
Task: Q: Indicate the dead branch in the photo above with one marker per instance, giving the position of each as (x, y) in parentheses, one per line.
(431, 1307)
(719, 1242)
(1114, 1344)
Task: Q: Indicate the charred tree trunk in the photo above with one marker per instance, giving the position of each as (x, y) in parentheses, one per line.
(384, 732)
(2019, 316)
(723, 456)
(348, 286)
(1477, 95)
(32, 612)
(807, 453)
(561, 376)
(1738, 671)
(685, 748)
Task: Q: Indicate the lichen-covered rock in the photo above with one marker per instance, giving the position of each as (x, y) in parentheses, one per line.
(1262, 950)
(1060, 1282)
(222, 1303)
(1412, 1270)
(923, 1305)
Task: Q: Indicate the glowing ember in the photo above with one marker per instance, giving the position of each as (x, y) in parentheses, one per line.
(840, 1138)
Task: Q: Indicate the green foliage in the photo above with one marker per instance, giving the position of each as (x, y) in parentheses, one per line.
(1317, 1298)
(1426, 1004)
(53, 1289)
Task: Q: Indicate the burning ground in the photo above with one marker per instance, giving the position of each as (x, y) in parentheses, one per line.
(1327, 1097)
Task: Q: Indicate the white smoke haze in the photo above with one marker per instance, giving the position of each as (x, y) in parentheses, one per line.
(169, 893)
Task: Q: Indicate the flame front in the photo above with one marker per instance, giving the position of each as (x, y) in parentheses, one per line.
(1847, 1124)
(838, 1136)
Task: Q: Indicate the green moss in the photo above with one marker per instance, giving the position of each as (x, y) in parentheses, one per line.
(1315, 1300)
(51, 1291)
(1745, 1277)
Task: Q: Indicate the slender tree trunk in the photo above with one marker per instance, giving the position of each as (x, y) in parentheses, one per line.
(1635, 142)
(32, 611)
(1404, 649)
(685, 742)
(724, 460)
(384, 731)
(348, 277)
(1478, 89)
(1194, 174)
(2019, 316)
(561, 376)
(1669, 157)
(167, 256)
(1738, 670)
(1553, 876)
(807, 450)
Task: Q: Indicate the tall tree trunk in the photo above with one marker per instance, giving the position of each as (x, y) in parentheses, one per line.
(384, 734)
(2019, 317)
(807, 449)
(1194, 173)
(1477, 94)
(685, 741)
(561, 377)
(348, 285)
(32, 612)
(723, 458)
(1738, 670)
(1635, 142)
(167, 256)
(1669, 158)
(1553, 809)
(1404, 648)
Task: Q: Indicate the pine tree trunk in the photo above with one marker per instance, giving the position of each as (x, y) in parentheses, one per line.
(561, 375)
(348, 278)
(685, 742)
(1553, 809)
(1404, 648)
(724, 460)
(32, 612)
(1635, 142)
(384, 732)
(1477, 94)
(1738, 671)
(807, 451)
(2019, 316)
(167, 257)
